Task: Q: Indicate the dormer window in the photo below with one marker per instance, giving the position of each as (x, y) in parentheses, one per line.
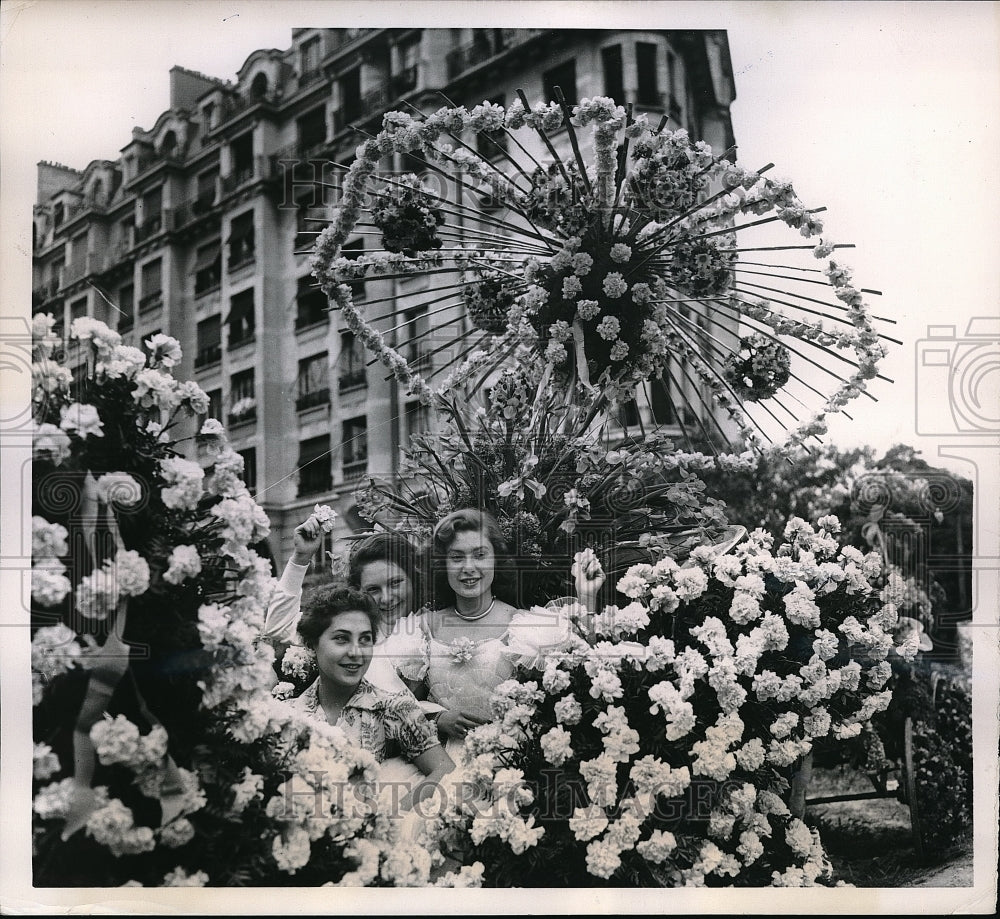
(168, 146)
(258, 88)
(310, 56)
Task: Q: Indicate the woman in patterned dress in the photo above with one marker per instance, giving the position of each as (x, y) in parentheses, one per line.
(340, 624)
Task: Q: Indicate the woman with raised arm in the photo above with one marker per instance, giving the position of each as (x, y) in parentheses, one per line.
(384, 566)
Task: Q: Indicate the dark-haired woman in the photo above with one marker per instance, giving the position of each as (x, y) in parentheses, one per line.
(384, 566)
(339, 624)
(475, 634)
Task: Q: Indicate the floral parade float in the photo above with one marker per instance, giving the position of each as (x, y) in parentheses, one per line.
(161, 757)
(673, 721)
(658, 745)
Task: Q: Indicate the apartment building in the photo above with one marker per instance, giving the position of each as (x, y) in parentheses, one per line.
(201, 227)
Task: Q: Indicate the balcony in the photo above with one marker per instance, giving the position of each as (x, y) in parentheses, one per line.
(247, 417)
(483, 49)
(76, 270)
(312, 399)
(353, 379)
(402, 82)
(362, 109)
(243, 174)
(210, 354)
(355, 468)
(45, 291)
(314, 481)
(237, 105)
(240, 258)
(149, 229)
(309, 77)
(310, 316)
(244, 338)
(151, 301)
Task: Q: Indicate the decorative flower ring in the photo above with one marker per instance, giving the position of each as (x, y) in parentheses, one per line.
(759, 369)
(633, 271)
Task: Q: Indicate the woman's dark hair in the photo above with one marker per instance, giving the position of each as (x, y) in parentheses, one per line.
(387, 547)
(321, 604)
(470, 520)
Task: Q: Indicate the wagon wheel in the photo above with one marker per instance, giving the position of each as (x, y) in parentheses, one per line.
(912, 799)
(911, 787)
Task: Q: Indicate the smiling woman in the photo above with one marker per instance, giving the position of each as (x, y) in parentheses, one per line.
(339, 624)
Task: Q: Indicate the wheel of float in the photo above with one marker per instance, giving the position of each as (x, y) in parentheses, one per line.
(909, 776)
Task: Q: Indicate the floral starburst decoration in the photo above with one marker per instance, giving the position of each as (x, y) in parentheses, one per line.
(621, 258)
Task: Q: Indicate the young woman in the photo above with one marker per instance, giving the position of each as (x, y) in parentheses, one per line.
(475, 635)
(384, 566)
(340, 623)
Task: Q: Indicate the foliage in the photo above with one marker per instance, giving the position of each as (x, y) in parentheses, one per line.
(942, 763)
(918, 516)
(556, 477)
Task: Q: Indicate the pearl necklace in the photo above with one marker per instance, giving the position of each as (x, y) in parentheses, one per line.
(478, 616)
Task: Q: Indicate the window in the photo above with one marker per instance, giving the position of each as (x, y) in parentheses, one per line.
(352, 362)
(405, 78)
(563, 76)
(355, 444)
(648, 92)
(313, 382)
(310, 304)
(152, 285)
(209, 337)
(413, 337)
(58, 214)
(242, 159)
(241, 241)
(628, 414)
(310, 216)
(214, 404)
(416, 418)
(242, 397)
(350, 99)
(352, 249)
(78, 309)
(149, 210)
(241, 319)
(168, 146)
(126, 307)
(208, 267)
(312, 130)
(310, 55)
(611, 63)
(207, 186)
(661, 403)
(249, 468)
(314, 465)
(258, 88)
(491, 144)
(209, 115)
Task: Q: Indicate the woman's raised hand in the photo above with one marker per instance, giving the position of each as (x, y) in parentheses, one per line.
(308, 537)
(456, 724)
(589, 577)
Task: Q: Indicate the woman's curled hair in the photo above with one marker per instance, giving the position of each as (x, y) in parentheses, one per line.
(321, 604)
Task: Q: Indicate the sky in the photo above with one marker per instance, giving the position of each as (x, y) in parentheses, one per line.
(884, 113)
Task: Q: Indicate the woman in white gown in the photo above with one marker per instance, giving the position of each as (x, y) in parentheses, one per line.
(475, 635)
